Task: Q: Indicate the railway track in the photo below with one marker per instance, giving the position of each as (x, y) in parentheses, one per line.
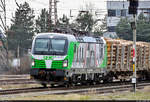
(14, 76)
(16, 81)
(77, 89)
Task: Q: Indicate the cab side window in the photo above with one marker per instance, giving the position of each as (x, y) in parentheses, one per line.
(75, 47)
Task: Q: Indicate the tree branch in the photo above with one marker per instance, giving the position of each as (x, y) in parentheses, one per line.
(2, 27)
(17, 4)
(2, 21)
(2, 6)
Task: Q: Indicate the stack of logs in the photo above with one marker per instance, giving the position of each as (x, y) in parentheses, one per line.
(120, 55)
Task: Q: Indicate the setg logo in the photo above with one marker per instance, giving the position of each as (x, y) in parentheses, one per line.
(48, 57)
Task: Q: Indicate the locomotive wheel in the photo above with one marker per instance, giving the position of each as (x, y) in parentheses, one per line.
(67, 85)
(52, 85)
(44, 85)
(72, 84)
(83, 83)
(94, 83)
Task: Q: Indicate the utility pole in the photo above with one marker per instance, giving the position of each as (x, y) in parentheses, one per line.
(52, 13)
(133, 25)
(133, 10)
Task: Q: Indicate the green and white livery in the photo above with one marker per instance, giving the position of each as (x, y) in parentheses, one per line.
(65, 58)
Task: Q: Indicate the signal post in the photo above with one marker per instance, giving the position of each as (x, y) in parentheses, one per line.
(133, 4)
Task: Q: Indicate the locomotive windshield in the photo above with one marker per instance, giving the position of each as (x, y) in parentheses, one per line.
(46, 46)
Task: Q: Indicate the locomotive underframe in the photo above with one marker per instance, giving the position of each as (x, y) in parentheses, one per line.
(74, 75)
(84, 75)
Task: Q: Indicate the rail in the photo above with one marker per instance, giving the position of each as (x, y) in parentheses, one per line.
(76, 89)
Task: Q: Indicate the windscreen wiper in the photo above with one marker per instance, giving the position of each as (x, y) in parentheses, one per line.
(40, 52)
(53, 52)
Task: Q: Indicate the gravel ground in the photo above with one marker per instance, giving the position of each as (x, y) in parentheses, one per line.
(3, 87)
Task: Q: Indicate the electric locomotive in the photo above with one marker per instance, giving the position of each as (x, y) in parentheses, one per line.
(66, 59)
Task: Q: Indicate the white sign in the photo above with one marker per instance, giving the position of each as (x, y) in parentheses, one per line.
(133, 80)
(15, 63)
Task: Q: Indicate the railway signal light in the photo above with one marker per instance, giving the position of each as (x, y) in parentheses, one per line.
(133, 4)
(132, 10)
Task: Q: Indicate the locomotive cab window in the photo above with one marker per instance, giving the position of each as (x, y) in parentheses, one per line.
(57, 45)
(51, 46)
(41, 45)
(75, 47)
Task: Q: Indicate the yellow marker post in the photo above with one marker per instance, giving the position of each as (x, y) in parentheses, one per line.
(133, 67)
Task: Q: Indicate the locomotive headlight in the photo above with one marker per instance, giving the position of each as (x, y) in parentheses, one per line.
(33, 63)
(65, 63)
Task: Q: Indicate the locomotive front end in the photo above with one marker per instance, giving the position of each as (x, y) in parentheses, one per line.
(49, 58)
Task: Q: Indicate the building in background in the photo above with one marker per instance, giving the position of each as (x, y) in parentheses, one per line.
(119, 9)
